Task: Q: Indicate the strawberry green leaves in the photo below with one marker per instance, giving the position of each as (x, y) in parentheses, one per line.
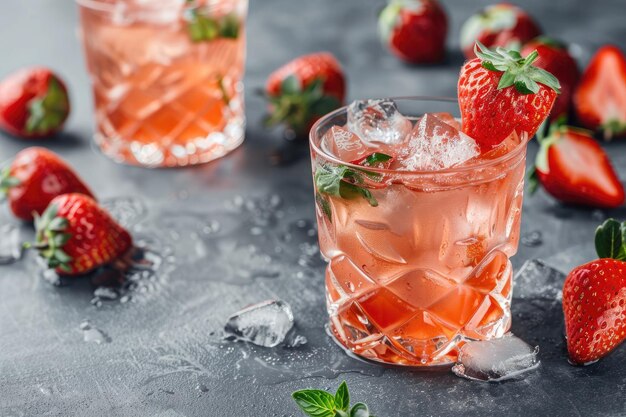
(517, 71)
(344, 182)
(611, 240)
(318, 403)
(7, 182)
(51, 238)
(47, 113)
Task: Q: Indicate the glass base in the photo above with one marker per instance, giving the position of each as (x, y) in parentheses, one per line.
(192, 152)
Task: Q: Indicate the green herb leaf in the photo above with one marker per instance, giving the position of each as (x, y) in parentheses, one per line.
(229, 26)
(342, 181)
(377, 158)
(609, 243)
(342, 397)
(315, 403)
(360, 410)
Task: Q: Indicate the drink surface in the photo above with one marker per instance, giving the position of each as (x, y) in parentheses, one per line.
(419, 262)
(166, 78)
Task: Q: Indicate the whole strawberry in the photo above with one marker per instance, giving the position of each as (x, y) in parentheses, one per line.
(600, 99)
(594, 298)
(555, 58)
(303, 90)
(75, 235)
(33, 103)
(573, 168)
(34, 178)
(500, 91)
(501, 24)
(414, 30)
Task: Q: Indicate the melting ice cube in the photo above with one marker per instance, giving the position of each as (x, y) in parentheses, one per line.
(496, 360)
(10, 244)
(434, 144)
(264, 324)
(536, 279)
(344, 144)
(449, 119)
(378, 121)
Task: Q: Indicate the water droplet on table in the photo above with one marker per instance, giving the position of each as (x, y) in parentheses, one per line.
(508, 357)
(92, 334)
(128, 211)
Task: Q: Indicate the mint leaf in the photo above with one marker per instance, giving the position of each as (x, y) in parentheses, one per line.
(360, 410)
(342, 397)
(342, 181)
(315, 403)
(608, 240)
(533, 180)
(377, 158)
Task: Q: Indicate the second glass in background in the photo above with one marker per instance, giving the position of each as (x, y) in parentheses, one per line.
(166, 77)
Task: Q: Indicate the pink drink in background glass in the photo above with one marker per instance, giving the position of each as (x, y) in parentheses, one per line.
(418, 247)
(166, 76)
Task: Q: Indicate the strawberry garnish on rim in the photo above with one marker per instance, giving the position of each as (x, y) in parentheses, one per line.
(501, 91)
(594, 298)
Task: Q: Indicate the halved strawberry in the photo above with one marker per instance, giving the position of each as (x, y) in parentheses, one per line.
(75, 235)
(500, 91)
(555, 58)
(501, 24)
(600, 99)
(594, 298)
(35, 176)
(573, 168)
(303, 90)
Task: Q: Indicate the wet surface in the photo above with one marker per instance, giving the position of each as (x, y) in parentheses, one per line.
(217, 238)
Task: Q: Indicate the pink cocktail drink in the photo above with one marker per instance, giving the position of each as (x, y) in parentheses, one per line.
(418, 245)
(167, 78)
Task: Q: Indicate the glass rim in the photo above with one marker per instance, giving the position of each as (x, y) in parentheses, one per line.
(520, 148)
(105, 6)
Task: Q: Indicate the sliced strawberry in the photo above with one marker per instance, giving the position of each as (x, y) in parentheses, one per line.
(76, 236)
(594, 298)
(573, 168)
(35, 176)
(555, 58)
(500, 91)
(501, 24)
(303, 90)
(33, 103)
(600, 99)
(414, 30)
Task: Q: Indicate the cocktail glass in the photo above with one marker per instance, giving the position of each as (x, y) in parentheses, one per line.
(423, 266)
(166, 78)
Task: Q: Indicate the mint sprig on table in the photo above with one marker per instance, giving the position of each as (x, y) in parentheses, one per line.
(318, 403)
(203, 27)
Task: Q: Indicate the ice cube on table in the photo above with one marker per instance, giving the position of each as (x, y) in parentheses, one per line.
(378, 121)
(264, 324)
(496, 360)
(344, 145)
(10, 244)
(434, 145)
(536, 279)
